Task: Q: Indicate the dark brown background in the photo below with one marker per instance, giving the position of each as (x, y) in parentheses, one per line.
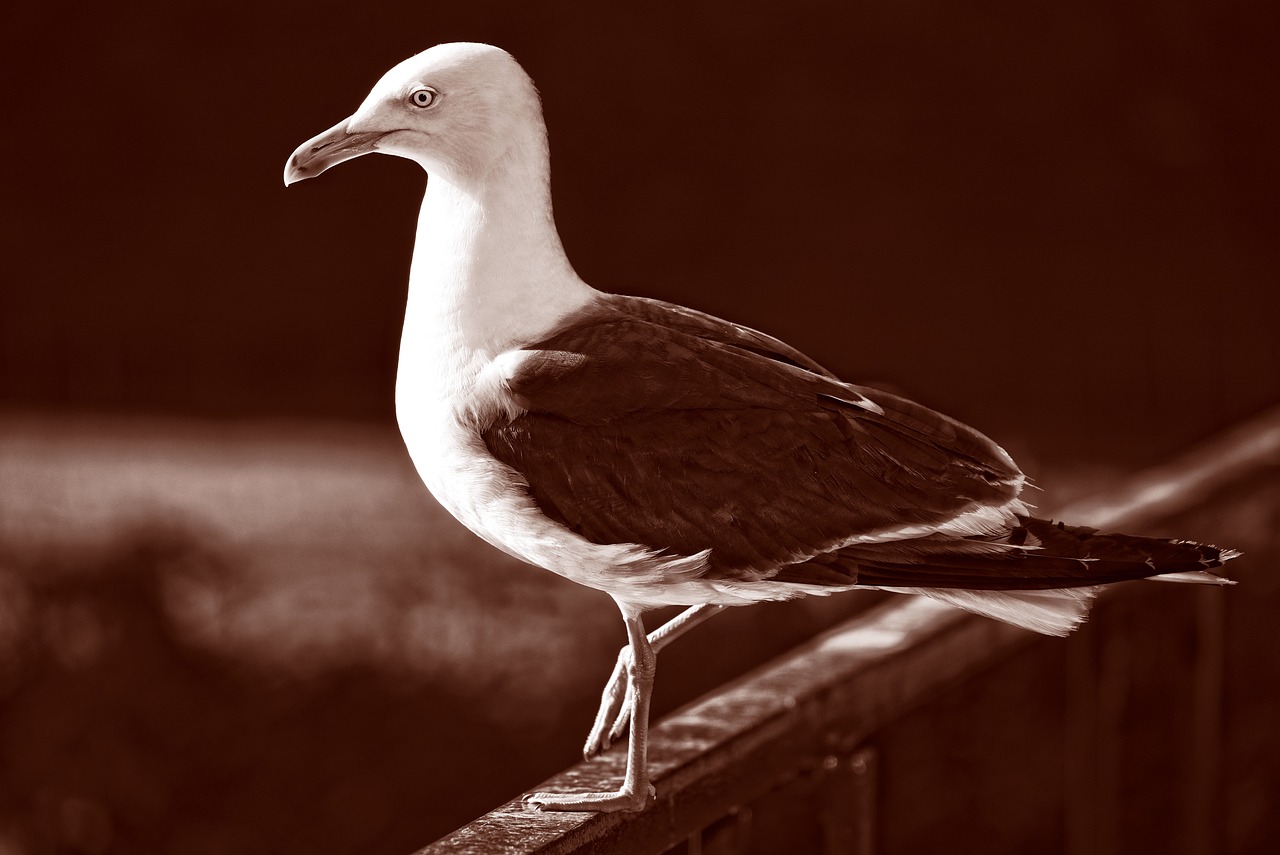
(1057, 223)
(237, 623)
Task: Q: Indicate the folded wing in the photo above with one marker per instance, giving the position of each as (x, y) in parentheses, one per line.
(648, 424)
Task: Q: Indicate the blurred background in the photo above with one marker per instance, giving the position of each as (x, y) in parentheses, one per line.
(230, 617)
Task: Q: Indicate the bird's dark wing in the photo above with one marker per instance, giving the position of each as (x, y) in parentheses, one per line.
(649, 424)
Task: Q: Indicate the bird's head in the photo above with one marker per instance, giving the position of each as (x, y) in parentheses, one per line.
(455, 109)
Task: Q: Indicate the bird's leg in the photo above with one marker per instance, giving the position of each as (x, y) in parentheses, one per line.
(616, 701)
(636, 791)
(615, 707)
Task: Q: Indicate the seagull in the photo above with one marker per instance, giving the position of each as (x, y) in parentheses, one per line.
(662, 455)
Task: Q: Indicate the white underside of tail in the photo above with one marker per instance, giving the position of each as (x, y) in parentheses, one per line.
(1053, 612)
(1195, 577)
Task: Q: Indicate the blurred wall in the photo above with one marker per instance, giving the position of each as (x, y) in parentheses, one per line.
(1057, 223)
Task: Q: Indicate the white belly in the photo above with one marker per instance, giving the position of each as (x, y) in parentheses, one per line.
(464, 478)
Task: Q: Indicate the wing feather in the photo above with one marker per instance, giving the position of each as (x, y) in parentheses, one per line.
(650, 424)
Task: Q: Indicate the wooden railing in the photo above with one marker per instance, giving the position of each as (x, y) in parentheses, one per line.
(918, 728)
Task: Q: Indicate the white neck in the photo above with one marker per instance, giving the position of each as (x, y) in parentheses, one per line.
(489, 273)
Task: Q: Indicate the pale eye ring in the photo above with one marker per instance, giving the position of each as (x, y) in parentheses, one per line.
(423, 96)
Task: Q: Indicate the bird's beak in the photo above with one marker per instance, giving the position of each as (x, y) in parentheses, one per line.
(328, 149)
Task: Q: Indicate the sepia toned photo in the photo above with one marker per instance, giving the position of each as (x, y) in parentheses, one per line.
(694, 428)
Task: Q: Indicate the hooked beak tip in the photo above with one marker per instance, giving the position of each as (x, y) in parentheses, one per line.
(328, 149)
(294, 171)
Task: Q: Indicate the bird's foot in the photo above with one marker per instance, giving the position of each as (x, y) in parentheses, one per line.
(615, 709)
(608, 729)
(623, 799)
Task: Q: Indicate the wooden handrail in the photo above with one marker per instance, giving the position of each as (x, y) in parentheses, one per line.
(819, 703)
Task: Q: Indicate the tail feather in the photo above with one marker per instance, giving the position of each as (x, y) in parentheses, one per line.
(1055, 611)
(1195, 577)
(1039, 555)
(1040, 575)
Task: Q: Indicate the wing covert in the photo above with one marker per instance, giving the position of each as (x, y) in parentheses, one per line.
(694, 434)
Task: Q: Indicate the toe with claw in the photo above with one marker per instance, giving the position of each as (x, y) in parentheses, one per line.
(615, 708)
(622, 800)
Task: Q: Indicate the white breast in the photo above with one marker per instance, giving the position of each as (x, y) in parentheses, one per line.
(441, 429)
(489, 275)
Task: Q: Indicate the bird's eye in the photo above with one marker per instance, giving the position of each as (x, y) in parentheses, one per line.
(423, 96)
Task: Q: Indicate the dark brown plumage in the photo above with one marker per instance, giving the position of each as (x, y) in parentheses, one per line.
(652, 424)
